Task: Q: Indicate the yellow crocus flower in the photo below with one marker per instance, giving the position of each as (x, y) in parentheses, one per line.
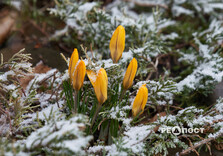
(77, 71)
(99, 81)
(73, 61)
(140, 100)
(130, 74)
(117, 43)
(78, 75)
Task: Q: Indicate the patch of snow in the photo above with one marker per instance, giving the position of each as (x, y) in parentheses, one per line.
(16, 4)
(58, 129)
(170, 36)
(219, 105)
(178, 10)
(214, 135)
(4, 76)
(166, 24)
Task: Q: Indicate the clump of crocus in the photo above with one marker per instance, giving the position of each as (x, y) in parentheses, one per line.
(140, 101)
(99, 81)
(117, 43)
(130, 74)
(77, 71)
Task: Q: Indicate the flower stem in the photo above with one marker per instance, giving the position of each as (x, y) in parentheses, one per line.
(95, 114)
(168, 108)
(75, 101)
(122, 94)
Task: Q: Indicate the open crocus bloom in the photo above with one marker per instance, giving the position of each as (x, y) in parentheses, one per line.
(99, 81)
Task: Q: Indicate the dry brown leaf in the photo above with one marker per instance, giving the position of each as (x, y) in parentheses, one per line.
(219, 146)
(156, 116)
(39, 68)
(6, 24)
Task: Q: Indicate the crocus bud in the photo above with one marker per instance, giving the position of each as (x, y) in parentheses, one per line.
(73, 61)
(78, 75)
(130, 74)
(140, 100)
(99, 81)
(117, 43)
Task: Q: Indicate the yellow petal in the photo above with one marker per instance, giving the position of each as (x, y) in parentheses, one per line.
(136, 108)
(73, 61)
(145, 95)
(78, 76)
(130, 74)
(92, 76)
(140, 100)
(100, 84)
(117, 43)
(103, 79)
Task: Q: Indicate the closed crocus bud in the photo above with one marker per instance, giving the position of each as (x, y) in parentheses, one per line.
(73, 61)
(100, 84)
(117, 43)
(130, 74)
(140, 100)
(78, 75)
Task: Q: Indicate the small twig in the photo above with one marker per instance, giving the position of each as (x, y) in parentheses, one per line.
(210, 109)
(2, 96)
(39, 28)
(176, 107)
(101, 123)
(54, 78)
(48, 77)
(53, 91)
(66, 60)
(2, 59)
(182, 45)
(58, 105)
(194, 46)
(91, 51)
(155, 68)
(209, 148)
(45, 7)
(191, 145)
(149, 76)
(67, 50)
(85, 52)
(22, 89)
(8, 116)
(205, 141)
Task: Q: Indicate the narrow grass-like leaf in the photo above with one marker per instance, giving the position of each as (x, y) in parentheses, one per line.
(68, 90)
